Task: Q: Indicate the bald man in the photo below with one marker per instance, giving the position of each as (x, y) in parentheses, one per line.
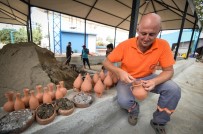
(139, 57)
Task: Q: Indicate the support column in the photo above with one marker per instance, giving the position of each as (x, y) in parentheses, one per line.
(181, 30)
(134, 18)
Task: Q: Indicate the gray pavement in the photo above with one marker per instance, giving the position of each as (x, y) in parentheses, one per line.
(104, 116)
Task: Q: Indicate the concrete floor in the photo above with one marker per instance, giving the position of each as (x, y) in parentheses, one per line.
(188, 117)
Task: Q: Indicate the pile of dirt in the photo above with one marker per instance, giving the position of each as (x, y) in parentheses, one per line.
(25, 65)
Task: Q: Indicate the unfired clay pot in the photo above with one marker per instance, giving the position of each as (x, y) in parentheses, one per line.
(51, 90)
(9, 105)
(59, 93)
(108, 82)
(77, 83)
(46, 96)
(99, 88)
(95, 78)
(33, 102)
(86, 86)
(62, 88)
(138, 90)
(26, 97)
(102, 75)
(39, 94)
(19, 104)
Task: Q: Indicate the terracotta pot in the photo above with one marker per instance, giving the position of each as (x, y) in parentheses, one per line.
(86, 86)
(46, 120)
(108, 82)
(51, 90)
(62, 88)
(102, 75)
(77, 83)
(99, 88)
(58, 93)
(89, 77)
(33, 102)
(138, 90)
(66, 112)
(9, 105)
(26, 97)
(46, 96)
(95, 78)
(19, 104)
(39, 94)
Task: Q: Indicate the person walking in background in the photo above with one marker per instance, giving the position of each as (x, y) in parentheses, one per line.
(69, 52)
(84, 56)
(139, 57)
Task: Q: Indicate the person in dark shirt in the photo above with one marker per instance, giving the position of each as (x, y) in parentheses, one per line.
(69, 52)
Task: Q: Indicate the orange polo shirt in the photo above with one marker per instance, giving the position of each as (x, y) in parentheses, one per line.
(140, 64)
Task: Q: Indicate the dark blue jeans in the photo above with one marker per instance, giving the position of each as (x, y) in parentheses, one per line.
(169, 92)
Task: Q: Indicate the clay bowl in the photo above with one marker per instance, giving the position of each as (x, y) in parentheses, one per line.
(82, 100)
(45, 114)
(17, 121)
(64, 106)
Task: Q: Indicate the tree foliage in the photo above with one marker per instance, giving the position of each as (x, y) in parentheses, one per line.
(199, 9)
(20, 35)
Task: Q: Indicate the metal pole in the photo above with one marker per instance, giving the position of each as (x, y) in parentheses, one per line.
(134, 18)
(85, 34)
(197, 40)
(193, 30)
(181, 30)
(114, 44)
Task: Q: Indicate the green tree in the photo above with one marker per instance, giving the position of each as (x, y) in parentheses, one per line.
(199, 9)
(21, 35)
(5, 37)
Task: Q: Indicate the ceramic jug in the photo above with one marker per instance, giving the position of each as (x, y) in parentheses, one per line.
(26, 97)
(33, 102)
(9, 105)
(138, 90)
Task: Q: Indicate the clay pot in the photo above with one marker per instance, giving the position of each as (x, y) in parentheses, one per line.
(51, 90)
(33, 102)
(26, 97)
(89, 77)
(19, 104)
(77, 83)
(108, 82)
(46, 96)
(138, 90)
(9, 105)
(99, 88)
(62, 88)
(42, 112)
(65, 106)
(95, 78)
(59, 93)
(102, 75)
(39, 94)
(114, 78)
(86, 86)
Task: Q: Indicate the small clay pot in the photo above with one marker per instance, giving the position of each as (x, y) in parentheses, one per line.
(64, 106)
(45, 108)
(138, 90)
(66, 112)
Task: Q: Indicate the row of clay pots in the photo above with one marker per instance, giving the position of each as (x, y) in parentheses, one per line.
(32, 101)
(99, 82)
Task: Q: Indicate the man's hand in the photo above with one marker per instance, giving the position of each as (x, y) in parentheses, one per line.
(124, 76)
(148, 84)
